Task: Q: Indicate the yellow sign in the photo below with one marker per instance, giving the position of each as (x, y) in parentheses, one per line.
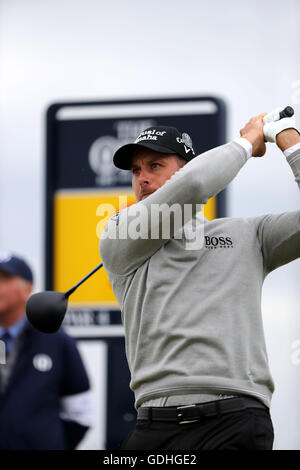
(79, 218)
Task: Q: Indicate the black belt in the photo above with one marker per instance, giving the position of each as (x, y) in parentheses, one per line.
(190, 413)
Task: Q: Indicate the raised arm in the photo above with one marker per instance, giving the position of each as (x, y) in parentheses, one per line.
(279, 234)
(203, 177)
(289, 142)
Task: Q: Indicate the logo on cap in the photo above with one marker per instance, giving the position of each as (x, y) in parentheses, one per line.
(150, 135)
(187, 142)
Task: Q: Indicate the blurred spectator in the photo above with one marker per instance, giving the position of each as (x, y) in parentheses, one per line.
(45, 400)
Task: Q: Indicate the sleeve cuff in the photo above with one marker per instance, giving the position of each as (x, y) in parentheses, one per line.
(246, 145)
(291, 150)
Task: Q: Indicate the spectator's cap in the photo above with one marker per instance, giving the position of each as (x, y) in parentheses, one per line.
(12, 264)
(162, 139)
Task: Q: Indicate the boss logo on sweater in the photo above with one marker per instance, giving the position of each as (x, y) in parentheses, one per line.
(42, 362)
(218, 242)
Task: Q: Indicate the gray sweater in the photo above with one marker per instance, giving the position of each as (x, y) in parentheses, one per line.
(192, 317)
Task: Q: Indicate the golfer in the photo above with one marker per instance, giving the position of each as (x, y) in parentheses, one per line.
(190, 289)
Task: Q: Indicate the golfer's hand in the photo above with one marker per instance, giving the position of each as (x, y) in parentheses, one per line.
(253, 131)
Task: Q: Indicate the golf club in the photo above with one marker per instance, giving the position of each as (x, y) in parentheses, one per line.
(46, 310)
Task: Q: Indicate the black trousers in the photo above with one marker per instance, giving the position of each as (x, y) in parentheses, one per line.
(249, 429)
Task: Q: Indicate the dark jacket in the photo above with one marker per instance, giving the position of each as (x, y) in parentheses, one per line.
(31, 404)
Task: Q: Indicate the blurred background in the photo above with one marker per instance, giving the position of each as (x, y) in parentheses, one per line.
(246, 53)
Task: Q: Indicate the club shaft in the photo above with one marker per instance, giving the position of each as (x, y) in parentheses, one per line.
(70, 291)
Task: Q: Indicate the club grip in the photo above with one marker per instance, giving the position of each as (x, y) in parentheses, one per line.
(288, 111)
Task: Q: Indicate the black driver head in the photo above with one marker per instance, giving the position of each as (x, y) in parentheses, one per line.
(46, 310)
